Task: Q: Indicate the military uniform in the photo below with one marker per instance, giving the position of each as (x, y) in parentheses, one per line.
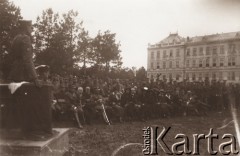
(22, 66)
(33, 104)
(115, 109)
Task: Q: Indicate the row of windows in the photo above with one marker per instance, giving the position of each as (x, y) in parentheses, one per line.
(170, 76)
(214, 62)
(214, 75)
(200, 76)
(215, 50)
(165, 54)
(169, 64)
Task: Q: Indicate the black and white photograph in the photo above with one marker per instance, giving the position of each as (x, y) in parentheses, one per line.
(119, 77)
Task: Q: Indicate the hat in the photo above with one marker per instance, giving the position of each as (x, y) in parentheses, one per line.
(161, 90)
(42, 68)
(80, 89)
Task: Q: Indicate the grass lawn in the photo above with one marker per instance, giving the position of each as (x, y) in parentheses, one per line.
(103, 140)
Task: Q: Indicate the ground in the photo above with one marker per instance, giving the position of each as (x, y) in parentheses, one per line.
(104, 140)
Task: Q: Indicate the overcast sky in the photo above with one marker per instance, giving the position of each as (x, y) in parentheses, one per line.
(139, 22)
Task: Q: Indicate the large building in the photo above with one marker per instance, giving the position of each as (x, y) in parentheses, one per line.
(200, 58)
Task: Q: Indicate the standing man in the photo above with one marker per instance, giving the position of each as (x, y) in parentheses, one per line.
(22, 63)
(33, 101)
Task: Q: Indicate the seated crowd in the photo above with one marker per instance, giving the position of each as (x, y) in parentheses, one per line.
(89, 100)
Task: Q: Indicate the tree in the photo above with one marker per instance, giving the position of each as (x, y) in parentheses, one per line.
(141, 74)
(106, 49)
(45, 29)
(84, 52)
(9, 17)
(55, 38)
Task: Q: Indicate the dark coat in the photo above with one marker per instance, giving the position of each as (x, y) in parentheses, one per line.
(22, 63)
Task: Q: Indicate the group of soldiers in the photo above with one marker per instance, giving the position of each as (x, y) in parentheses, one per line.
(112, 100)
(90, 100)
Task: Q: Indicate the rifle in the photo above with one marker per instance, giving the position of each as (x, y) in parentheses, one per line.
(105, 117)
(76, 116)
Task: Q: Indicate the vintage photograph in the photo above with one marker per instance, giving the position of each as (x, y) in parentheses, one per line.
(119, 77)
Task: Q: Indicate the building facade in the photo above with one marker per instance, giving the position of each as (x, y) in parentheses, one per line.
(200, 58)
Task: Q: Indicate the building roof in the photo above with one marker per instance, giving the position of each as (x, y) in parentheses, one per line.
(214, 37)
(172, 38)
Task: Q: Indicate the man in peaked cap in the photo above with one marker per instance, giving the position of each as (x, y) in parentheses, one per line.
(22, 66)
(43, 72)
(33, 104)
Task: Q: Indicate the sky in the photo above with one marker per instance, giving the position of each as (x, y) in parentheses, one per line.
(140, 22)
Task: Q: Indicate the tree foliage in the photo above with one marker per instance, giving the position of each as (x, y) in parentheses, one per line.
(106, 49)
(56, 40)
(84, 52)
(61, 42)
(141, 74)
(9, 17)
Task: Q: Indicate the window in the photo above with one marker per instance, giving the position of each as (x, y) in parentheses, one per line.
(188, 52)
(193, 63)
(158, 54)
(214, 50)
(177, 64)
(187, 63)
(221, 62)
(151, 65)
(152, 55)
(214, 62)
(177, 77)
(171, 53)
(231, 61)
(231, 75)
(200, 63)
(206, 76)
(232, 48)
(214, 76)
(170, 64)
(222, 49)
(164, 64)
(200, 76)
(220, 75)
(164, 54)
(207, 51)
(193, 76)
(177, 53)
(187, 76)
(158, 65)
(194, 51)
(207, 62)
(201, 51)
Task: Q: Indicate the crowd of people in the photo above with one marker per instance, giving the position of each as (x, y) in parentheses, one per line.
(89, 100)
